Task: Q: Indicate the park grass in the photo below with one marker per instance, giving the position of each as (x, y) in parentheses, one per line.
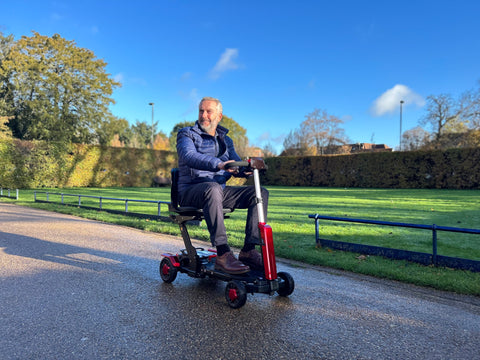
(294, 232)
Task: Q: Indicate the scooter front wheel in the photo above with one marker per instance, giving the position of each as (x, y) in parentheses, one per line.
(236, 294)
(168, 272)
(287, 285)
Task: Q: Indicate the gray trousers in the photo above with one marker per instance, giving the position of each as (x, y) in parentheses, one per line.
(213, 198)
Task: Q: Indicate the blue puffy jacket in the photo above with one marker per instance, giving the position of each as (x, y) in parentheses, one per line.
(199, 155)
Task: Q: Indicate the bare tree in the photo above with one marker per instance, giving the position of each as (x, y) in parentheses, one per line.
(415, 139)
(446, 116)
(323, 130)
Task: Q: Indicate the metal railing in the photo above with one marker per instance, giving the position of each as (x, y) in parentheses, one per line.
(100, 203)
(424, 258)
(8, 193)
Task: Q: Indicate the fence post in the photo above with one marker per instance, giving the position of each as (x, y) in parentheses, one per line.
(17, 194)
(434, 244)
(126, 205)
(100, 203)
(79, 200)
(158, 208)
(317, 233)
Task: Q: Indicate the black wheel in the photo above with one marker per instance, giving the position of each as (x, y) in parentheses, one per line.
(287, 284)
(236, 294)
(168, 272)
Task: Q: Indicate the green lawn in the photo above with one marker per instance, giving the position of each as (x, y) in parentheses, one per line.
(294, 232)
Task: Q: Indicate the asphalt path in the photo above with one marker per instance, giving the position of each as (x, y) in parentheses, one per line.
(79, 289)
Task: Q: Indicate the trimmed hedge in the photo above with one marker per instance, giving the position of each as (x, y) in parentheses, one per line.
(35, 164)
(451, 169)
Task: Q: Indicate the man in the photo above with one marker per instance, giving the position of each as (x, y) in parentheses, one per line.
(203, 151)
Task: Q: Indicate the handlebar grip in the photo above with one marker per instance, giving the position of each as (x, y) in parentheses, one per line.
(236, 163)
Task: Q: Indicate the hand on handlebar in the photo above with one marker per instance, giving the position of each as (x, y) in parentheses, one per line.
(230, 169)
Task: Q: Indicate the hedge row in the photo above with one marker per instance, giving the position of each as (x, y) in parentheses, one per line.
(26, 164)
(451, 169)
(32, 164)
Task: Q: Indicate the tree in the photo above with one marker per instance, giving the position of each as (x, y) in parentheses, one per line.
(415, 139)
(295, 144)
(161, 142)
(323, 130)
(56, 90)
(142, 134)
(238, 135)
(447, 116)
(5, 132)
(112, 126)
(318, 132)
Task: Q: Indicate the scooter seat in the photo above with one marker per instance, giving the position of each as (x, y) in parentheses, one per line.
(184, 210)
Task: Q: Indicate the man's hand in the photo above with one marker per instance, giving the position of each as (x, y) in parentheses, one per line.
(232, 170)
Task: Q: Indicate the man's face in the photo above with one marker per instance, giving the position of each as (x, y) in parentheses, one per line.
(208, 116)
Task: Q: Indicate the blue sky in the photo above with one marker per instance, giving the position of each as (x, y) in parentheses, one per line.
(271, 62)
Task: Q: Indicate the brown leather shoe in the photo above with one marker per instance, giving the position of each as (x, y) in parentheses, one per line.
(228, 263)
(252, 258)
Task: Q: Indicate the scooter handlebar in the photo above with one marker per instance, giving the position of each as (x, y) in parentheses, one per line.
(250, 163)
(236, 164)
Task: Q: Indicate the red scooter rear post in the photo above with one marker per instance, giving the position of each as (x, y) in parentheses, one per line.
(268, 252)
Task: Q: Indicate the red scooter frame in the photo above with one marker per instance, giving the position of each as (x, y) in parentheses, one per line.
(199, 263)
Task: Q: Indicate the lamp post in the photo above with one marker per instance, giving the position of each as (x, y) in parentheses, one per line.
(153, 105)
(401, 103)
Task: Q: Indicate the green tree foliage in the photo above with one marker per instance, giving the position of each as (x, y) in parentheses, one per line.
(6, 44)
(112, 126)
(173, 135)
(55, 90)
(5, 132)
(141, 134)
(238, 135)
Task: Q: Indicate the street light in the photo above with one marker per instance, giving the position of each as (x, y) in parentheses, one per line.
(401, 103)
(153, 105)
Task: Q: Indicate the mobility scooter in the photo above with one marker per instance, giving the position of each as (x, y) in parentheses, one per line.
(200, 263)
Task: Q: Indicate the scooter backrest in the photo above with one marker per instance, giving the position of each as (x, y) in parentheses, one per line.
(174, 188)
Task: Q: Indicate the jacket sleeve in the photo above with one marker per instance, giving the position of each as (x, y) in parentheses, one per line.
(188, 154)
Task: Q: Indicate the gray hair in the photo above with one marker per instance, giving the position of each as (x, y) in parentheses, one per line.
(208, 98)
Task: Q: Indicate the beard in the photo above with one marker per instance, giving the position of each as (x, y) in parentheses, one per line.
(208, 128)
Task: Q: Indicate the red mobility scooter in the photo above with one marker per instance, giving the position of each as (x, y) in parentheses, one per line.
(200, 263)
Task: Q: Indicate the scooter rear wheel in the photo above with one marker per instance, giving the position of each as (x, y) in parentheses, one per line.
(236, 294)
(287, 285)
(168, 272)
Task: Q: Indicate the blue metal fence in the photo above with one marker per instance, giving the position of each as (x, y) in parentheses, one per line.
(9, 193)
(423, 258)
(101, 205)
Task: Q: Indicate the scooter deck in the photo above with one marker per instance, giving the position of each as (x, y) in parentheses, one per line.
(254, 280)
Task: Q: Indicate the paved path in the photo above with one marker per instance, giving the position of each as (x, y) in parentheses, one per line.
(79, 289)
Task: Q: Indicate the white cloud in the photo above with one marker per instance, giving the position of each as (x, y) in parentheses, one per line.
(186, 76)
(389, 101)
(225, 63)
(119, 78)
